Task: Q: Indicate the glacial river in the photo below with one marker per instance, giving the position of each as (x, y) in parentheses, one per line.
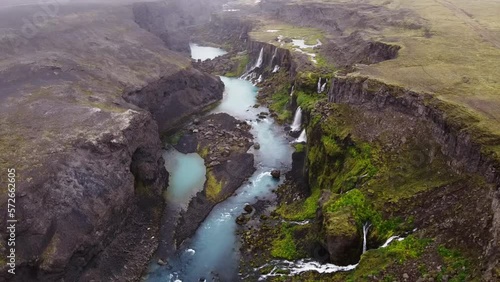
(213, 252)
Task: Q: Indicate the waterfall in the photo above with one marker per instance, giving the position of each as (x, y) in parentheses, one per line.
(250, 74)
(323, 87)
(291, 92)
(279, 267)
(258, 64)
(366, 226)
(276, 69)
(390, 240)
(297, 120)
(319, 85)
(260, 79)
(302, 138)
(274, 55)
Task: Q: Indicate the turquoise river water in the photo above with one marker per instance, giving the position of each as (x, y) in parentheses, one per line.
(213, 252)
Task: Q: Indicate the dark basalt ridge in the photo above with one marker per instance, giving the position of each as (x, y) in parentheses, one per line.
(171, 99)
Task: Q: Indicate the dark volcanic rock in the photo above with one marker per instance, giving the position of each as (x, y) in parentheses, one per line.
(276, 174)
(223, 142)
(248, 208)
(226, 29)
(298, 173)
(175, 97)
(187, 144)
(339, 19)
(342, 239)
(367, 52)
(234, 171)
(457, 143)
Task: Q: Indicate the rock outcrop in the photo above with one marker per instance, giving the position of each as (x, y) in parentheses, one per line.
(224, 30)
(342, 238)
(272, 56)
(223, 142)
(171, 99)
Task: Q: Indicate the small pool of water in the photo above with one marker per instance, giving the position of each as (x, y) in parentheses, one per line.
(187, 176)
(204, 53)
(301, 43)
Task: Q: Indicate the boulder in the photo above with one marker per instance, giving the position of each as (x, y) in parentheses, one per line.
(240, 220)
(276, 174)
(342, 238)
(248, 208)
(161, 262)
(256, 146)
(213, 163)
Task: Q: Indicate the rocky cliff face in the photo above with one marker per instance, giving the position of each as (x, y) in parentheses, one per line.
(272, 56)
(223, 142)
(454, 141)
(171, 19)
(353, 49)
(225, 30)
(89, 167)
(177, 96)
(83, 201)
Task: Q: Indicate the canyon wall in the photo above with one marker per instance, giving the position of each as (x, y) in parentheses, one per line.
(230, 31)
(272, 56)
(173, 98)
(447, 147)
(456, 143)
(465, 155)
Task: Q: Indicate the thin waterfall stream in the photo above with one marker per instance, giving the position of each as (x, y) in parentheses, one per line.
(366, 227)
(297, 120)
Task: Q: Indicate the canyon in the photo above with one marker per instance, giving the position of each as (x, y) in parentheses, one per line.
(388, 172)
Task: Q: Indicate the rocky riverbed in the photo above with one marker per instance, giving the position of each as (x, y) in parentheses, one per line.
(223, 142)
